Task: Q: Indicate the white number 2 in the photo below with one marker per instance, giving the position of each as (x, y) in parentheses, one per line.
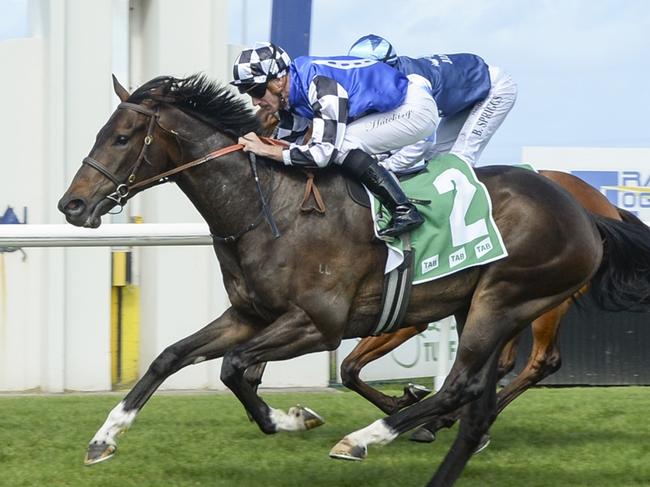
(461, 233)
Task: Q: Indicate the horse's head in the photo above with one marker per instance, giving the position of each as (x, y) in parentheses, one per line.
(123, 155)
(152, 129)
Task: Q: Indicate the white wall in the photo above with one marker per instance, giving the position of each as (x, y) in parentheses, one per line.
(20, 185)
(55, 307)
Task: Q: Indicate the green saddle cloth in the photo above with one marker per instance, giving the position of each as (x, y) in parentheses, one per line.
(459, 231)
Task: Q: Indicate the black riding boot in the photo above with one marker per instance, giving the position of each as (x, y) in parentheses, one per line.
(378, 180)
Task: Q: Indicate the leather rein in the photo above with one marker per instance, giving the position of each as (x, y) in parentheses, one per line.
(124, 188)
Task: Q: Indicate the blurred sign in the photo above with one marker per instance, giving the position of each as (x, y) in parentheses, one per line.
(428, 354)
(622, 175)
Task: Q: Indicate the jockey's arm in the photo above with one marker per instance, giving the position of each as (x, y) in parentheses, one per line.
(329, 103)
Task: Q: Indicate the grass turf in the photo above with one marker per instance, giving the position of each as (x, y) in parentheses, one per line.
(549, 437)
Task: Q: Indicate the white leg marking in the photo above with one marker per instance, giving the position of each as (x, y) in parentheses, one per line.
(376, 433)
(291, 421)
(117, 421)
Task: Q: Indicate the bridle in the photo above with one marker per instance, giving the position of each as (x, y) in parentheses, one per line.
(124, 188)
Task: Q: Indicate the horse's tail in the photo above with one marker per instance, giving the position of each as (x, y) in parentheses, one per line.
(622, 283)
(629, 217)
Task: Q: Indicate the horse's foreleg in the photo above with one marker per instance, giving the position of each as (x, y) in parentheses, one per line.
(291, 335)
(372, 348)
(208, 343)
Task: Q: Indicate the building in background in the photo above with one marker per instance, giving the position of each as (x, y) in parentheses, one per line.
(59, 312)
(55, 307)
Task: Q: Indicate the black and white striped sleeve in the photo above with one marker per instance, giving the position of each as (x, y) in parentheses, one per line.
(329, 101)
(291, 127)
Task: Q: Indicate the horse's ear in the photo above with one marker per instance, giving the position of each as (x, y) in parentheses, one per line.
(120, 91)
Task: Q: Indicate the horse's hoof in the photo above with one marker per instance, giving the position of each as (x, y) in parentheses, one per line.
(416, 391)
(483, 444)
(99, 452)
(346, 450)
(423, 435)
(310, 418)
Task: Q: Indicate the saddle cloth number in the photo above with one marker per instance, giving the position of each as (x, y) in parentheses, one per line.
(461, 233)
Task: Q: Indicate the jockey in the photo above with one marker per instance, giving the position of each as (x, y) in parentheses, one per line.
(356, 107)
(473, 99)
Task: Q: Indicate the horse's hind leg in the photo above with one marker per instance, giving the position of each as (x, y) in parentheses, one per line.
(372, 348)
(474, 424)
(508, 357)
(208, 343)
(543, 361)
(427, 432)
(544, 358)
(485, 331)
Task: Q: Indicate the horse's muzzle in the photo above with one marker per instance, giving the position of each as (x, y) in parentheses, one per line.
(77, 212)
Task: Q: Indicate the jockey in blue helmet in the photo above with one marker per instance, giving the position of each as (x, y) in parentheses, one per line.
(473, 99)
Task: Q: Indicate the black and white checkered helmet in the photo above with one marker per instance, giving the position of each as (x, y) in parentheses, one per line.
(260, 64)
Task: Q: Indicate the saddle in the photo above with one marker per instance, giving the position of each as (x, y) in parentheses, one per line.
(355, 190)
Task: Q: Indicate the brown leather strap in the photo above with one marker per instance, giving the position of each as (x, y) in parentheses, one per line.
(211, 155)
(196, 162)
(312, 189)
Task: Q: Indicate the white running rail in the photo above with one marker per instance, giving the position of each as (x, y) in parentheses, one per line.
(108, 235)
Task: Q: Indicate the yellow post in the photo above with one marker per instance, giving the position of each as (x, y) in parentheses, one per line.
(125, 321)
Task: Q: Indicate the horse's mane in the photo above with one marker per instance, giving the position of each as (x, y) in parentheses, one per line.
(212, 102)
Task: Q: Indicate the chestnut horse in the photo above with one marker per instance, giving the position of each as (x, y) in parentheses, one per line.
(282, 306)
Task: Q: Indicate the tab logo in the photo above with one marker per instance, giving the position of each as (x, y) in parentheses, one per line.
(483, 247)
(457, 257)
(430, 264)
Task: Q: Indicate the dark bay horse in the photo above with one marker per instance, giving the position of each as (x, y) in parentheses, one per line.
(283, 305)
(544, 358)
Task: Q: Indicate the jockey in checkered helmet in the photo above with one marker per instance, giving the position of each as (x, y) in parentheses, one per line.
(338, 110)
(256, 66)
(374, 47)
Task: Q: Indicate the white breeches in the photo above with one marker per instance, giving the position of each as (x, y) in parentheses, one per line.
(467, 133)
(415, 119)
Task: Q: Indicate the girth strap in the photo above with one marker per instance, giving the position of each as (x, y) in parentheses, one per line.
(397, 292)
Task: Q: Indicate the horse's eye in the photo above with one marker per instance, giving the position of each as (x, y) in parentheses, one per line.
(121, 140)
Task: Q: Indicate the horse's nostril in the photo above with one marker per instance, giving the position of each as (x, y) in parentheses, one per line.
(74, 207)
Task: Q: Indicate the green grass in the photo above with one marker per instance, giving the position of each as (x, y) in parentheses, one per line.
(549, 437)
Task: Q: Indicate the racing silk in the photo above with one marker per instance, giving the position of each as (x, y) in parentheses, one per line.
(332, 92)
(458, 81)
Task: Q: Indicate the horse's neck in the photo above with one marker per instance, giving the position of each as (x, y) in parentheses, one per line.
(222, 189)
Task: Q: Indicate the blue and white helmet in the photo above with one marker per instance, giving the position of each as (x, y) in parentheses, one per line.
(260, 64)
(374, 47)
